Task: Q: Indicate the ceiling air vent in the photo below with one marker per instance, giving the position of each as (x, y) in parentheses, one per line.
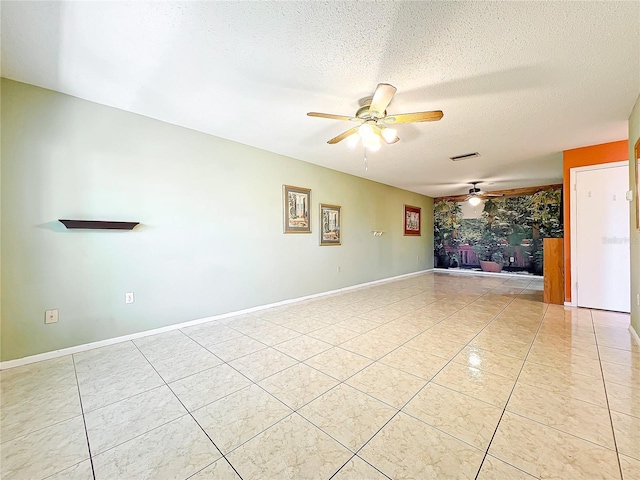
(466, 156)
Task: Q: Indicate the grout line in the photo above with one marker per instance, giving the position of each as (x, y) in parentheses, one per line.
(84, 421)
(511, 393)
(606, 397)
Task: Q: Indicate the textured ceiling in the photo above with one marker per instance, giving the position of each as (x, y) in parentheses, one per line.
(517, 81)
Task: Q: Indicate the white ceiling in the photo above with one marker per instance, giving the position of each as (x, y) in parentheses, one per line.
(517, 81)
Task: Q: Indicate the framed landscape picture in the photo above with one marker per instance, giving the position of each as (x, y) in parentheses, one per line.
(411, 220)
(297, 217)
(330, 225)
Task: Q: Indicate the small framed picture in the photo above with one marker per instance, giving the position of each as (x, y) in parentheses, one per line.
(296, 201)
(330, 225)
(411, 220)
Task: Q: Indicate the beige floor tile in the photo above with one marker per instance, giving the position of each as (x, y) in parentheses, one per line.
(291, 449)
(624, 399)
(333, 334)
(58, 447)
(627, 430)
(164, 346)
(409, 449)
(274, 335)
(298, 385)
(414, 362)
(358, 469)
(488, 361)
(101, 391)
(108, 360)
(630, 468)
(38, 409)
(184, 364)
(120, 422)
(348, 415)
(177, 449)
(338, 363)
(303, 347)
(500, 346)
(359, 325)
(205, 387)
(433, 345)
(218, 470)
(80, 471)
(549, 453)
(240, 416)
(565, 362)
(495, 469)
(210, 333)
(462, 416)
(262, 363)
(19, 383)
(579, 418)
(617, 355)
(369, 345)
(236, 348)
(485, 386)
(570, 384)
(307, 325)
(621, 374)
(388, 384)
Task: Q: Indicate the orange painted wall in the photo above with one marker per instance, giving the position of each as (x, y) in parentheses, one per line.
(583, 157)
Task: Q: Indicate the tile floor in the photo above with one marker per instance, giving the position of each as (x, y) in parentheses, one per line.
(434, 376)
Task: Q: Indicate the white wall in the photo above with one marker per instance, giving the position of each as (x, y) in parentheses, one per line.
(634, 135)
(210, 239)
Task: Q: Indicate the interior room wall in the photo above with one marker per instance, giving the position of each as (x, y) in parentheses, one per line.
(211, 235)
(634, 137)
(583, 157)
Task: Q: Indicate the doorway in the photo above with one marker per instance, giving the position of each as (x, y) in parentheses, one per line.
(600, 237)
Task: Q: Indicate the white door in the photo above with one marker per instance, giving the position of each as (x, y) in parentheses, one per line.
(602, 239)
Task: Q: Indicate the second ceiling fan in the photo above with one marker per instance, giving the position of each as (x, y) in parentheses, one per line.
(374, 121)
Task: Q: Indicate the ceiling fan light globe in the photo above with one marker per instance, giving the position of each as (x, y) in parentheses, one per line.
(374, 148)
(372, 142)
(475, 201)
(366, 131)
(390, 135)
(353, 140)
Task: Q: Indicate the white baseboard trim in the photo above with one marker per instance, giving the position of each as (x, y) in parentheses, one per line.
(569, 304)
(111, 341)
(462, 271)
(634, 334)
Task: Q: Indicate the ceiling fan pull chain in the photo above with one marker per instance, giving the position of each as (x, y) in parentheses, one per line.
(366, 165)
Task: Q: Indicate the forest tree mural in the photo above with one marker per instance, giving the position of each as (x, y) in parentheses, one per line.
(508, 234)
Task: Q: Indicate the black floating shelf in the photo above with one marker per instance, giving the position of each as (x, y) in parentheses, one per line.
(98, 225)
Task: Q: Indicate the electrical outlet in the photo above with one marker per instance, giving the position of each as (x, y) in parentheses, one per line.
(128, 297)
(638, 299)
(512, 259)
(338, 269)
(51, 316)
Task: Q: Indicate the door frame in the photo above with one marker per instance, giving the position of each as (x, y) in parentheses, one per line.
(573, 228)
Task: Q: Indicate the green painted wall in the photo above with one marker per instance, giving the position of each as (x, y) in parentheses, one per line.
(634, 135)
(210, 239)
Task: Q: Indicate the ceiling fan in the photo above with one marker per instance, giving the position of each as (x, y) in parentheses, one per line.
(476, 195)
(374, 122)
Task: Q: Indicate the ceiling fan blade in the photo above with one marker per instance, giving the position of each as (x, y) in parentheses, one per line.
(413, 117)
(492, 194)
(381, 99)
(343, 135)
(329, 115)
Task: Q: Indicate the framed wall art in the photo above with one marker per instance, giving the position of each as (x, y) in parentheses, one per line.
(297, 215)
(330, 225)
(412, 220)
